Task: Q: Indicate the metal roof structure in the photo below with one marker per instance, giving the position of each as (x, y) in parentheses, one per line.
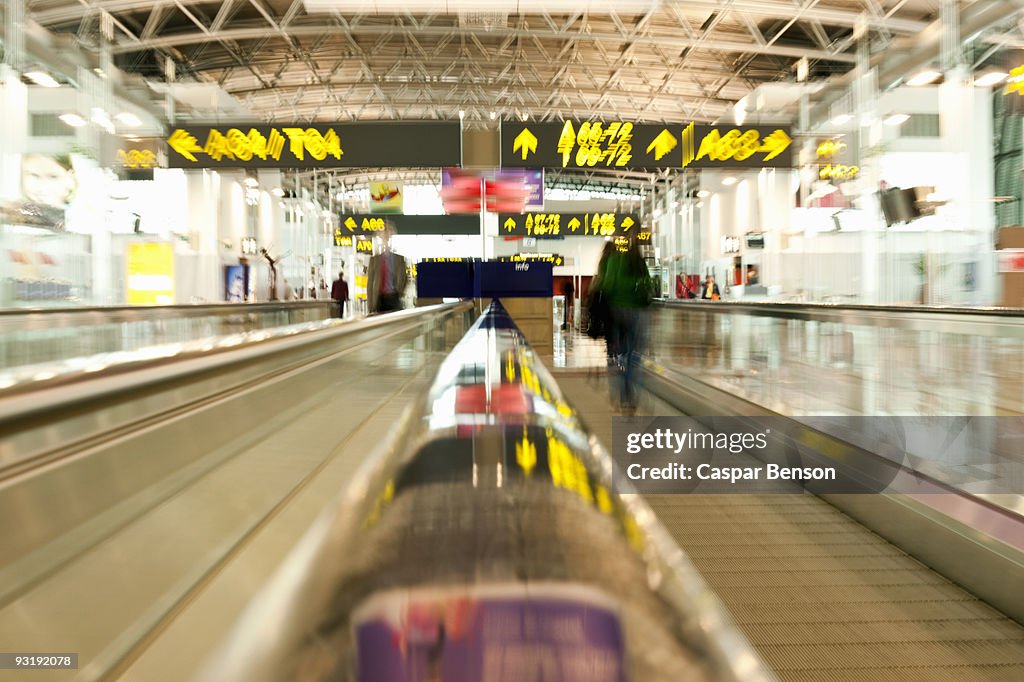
(660, 61)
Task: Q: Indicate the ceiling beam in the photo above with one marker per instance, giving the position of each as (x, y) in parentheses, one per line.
(673, 40)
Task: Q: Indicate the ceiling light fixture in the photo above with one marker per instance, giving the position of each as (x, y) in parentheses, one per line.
(129, 119)
(462, 114)
(728, 180)
(841, 119)
(73, 120)
(40, 77)
(251, 182)
(494, 115)
(991, 78)
(924, 78)
(896, 119)
(703, 193)
(739, 111)
(277, 192)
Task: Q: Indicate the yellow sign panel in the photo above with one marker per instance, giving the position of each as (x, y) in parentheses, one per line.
(364, 246)
(137, 158)
(572, 225)
(341, 239)
(596, 143)
(150, 273)
(1015, 83)
(238, 145)
(624, 144)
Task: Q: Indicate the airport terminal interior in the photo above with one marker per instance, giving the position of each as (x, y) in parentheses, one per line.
(512, 341)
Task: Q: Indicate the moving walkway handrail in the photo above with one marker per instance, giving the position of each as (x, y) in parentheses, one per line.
(489, 390)
(75, 315)
(995, 322)
(173, 360)
(726, 305)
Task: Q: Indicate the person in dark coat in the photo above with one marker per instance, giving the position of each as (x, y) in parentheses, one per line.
(339, 293)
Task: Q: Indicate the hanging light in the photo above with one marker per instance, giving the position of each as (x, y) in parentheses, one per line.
(991, 78)
(924, 78)
(42, 78)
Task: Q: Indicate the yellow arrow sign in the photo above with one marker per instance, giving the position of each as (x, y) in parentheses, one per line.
(774, 144)
(627, 223)
(525, 141)
(1015, 83)
(526, 454)
(662, 144)
(510, 224)
(574, 224)
(351, 224)
(184, 144)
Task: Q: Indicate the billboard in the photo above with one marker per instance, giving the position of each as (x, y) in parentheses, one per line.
(150, 273)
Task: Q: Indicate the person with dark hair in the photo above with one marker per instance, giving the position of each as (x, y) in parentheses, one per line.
(339, 293)
(627, 283)
(598, 312)
(567, 291)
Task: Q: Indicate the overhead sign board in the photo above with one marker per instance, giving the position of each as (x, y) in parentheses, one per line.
(547, 225)
(319, 145)
(367, 223)
(625, 145)
(552, 258)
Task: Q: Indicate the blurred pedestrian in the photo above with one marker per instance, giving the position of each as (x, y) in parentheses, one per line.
(339, 293)
(387, 277)
(567, 292)
(710, 290)
(627, 284)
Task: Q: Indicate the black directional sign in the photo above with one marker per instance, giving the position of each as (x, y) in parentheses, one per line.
(317, 145)
(625, 145)
(553, 258)
(368, 223)
(572, 225)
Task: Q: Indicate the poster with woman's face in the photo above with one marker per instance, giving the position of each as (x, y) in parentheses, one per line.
(47, 180)
(48, 184)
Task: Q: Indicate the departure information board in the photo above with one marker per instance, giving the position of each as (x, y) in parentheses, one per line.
(624, 145)
(572, 225)
(318, 145)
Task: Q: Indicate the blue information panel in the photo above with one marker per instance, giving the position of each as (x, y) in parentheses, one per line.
(514, 280)
(444, 280)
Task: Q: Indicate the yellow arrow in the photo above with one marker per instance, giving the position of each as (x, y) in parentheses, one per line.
(526, 454)
(662, 144)
(525, 141)
(627, 223)
(184, 144)
(774, 144)
(510, 224)
(350, 223)
(574, 224)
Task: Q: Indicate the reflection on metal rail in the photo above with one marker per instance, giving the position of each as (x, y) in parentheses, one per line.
(1001, 322)
(486, 536)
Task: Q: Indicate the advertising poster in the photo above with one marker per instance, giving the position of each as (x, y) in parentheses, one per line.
(236, 283)
(510, 190)
(501, 633)
(150, 278)
(48, 185)
(385, 197)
